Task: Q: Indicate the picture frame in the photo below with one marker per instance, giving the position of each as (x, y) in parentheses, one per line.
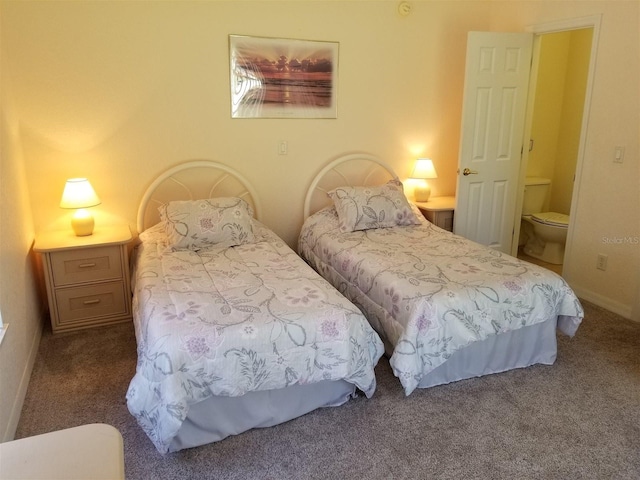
(283, 78)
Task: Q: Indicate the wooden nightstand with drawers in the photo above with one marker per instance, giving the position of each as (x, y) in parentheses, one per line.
(87, 278)
(439, 211)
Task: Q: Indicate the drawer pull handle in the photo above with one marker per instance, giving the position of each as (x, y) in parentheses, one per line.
(91, 302)
(86, 265)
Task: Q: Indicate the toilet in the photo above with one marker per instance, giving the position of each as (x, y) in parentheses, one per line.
(545, 232)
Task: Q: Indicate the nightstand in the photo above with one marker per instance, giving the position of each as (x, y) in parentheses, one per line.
(87, 278)
(439, 211)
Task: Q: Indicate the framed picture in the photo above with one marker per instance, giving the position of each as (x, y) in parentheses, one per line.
(283, 78)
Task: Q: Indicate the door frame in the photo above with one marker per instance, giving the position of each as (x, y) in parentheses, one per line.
(594, 22)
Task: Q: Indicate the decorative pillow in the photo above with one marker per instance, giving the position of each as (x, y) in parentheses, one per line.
(362, 208)
(196, 224)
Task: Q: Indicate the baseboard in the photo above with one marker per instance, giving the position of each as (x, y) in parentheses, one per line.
(605, 302)
(21, 393)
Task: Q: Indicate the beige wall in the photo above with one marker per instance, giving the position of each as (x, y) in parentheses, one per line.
(119, 108)
(119, 91)
(19, 302)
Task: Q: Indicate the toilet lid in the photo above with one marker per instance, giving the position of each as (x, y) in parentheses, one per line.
(552, 218)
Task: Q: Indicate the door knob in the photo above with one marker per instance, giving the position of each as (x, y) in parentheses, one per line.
(466, 172)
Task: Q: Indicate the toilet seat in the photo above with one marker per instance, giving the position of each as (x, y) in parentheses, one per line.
(551, 218)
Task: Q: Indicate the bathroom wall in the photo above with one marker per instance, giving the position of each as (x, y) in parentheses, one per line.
(558, 109)
(575, 86)
(547, 108)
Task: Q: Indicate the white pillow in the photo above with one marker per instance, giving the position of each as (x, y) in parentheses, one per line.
(196, 224)
(362, 208)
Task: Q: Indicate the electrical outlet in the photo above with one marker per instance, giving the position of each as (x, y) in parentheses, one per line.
(601, 263)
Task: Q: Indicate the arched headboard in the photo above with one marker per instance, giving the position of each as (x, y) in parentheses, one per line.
(194, 180)
(354, 169)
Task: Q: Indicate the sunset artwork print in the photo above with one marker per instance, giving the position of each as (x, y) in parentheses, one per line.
(281, 78)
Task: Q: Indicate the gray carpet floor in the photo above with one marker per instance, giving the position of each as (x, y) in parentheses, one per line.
(577, 419)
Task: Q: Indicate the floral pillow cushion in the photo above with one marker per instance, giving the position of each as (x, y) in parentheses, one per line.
(362, 208)
(197, 224)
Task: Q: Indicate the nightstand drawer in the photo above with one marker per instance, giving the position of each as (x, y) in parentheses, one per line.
(71, 267)
(79, 303)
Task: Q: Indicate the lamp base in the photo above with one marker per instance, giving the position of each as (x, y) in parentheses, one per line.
(422, 193)
(82, 223)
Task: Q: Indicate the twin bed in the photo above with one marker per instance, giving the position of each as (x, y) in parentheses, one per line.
(235, 331)
(446, 308)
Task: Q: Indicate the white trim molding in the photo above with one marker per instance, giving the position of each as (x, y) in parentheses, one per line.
(605, 302)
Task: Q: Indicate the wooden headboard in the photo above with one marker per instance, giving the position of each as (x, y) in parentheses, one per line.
(194, 180)
(355, 169)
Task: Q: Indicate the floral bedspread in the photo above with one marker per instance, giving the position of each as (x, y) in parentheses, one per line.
(429, 292)
(229, 321)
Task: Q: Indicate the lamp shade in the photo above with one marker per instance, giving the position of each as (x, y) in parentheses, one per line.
(78, 193)
(424, 169)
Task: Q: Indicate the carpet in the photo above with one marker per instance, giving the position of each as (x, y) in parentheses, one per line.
(579, 418)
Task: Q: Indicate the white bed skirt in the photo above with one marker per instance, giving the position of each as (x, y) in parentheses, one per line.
(520, 348)
(219, 417)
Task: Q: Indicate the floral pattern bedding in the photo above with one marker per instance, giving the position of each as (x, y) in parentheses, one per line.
(228, 321)
(429, 292)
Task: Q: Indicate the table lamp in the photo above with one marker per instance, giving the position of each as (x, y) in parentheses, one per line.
(422, 171)
(79, 194)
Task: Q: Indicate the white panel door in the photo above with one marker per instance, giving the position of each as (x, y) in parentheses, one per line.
(493, 115)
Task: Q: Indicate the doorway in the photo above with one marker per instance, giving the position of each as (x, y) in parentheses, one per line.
(559, 77)
(557, 118)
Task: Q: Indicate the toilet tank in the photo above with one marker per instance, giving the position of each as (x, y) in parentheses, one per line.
(535, 193)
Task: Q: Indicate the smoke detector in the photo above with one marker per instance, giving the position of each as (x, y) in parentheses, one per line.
(404, 8)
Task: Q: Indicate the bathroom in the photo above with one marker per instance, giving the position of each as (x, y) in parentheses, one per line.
(556, 128)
